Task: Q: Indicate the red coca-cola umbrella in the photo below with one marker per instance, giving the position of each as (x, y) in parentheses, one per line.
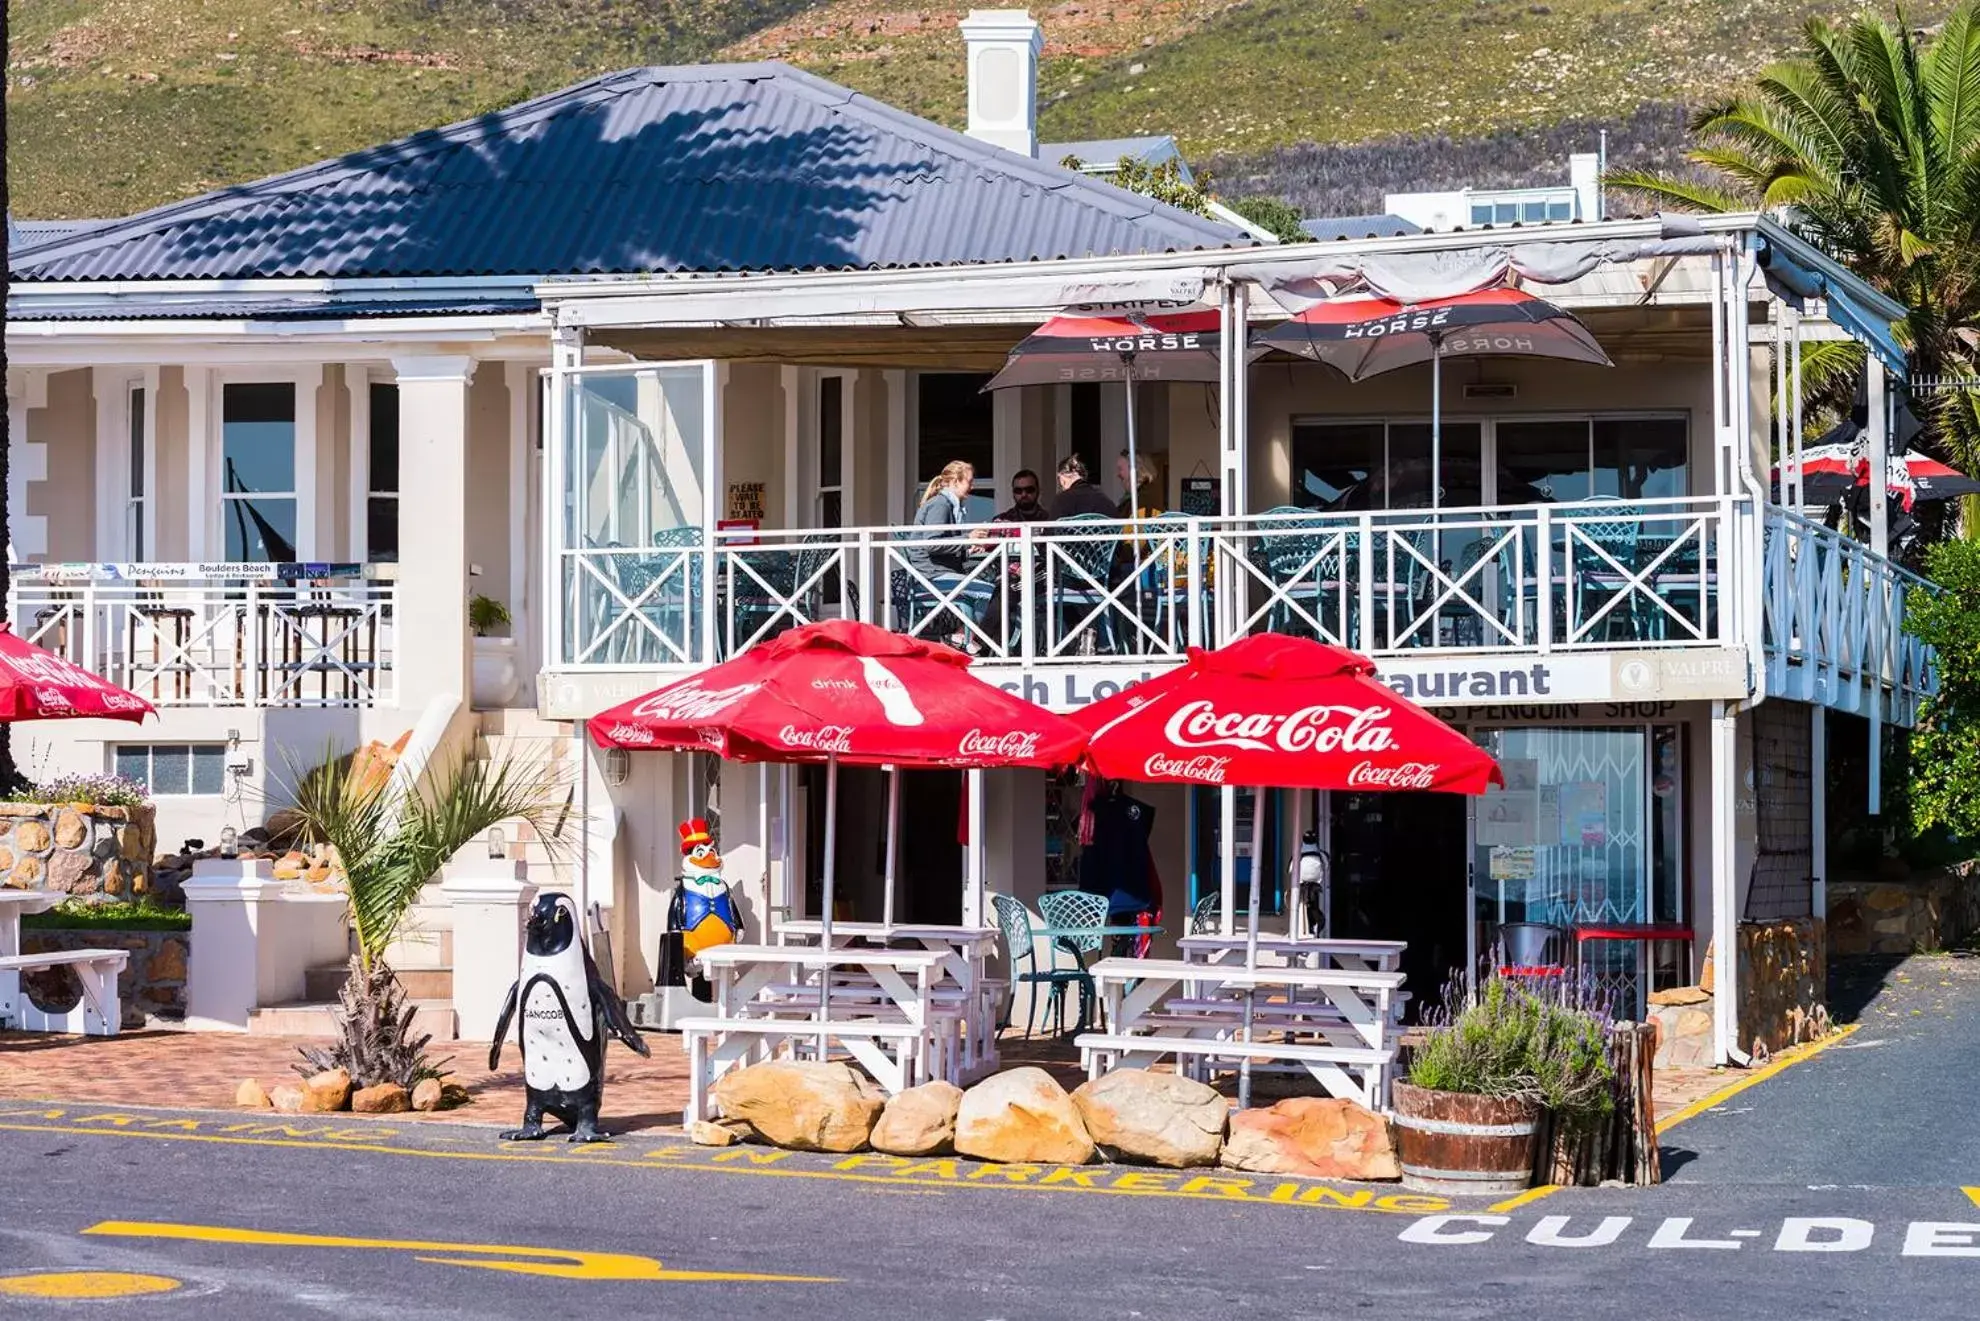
(1280, 712)
(39, 685)
(846, 692)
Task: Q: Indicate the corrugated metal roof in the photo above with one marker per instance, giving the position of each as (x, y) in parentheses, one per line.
(282, 309)
(701, 169)
(32, 233)
(1359, 227)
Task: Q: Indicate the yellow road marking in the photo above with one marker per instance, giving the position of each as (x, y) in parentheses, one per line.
(85, 1284)
(564, 1264)
(683, 1156)
(1972, 1195)
(1785, 1060)
(1521, 1199)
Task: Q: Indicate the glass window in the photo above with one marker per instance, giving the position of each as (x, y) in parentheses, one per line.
(831, 450)
(1457, 468)
(953, 420)
(1641, 458)
(381, 513)
(1533, 212)
(1335, 464)
(1086, 424)
(1560, 210)
(174, 768)
(1543, 462)
(258, 470)
(134, 492)
(1505, 213)
(1481, 213)
(633, 469)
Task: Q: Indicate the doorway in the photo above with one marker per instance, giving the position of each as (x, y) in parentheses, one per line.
(1399, 874)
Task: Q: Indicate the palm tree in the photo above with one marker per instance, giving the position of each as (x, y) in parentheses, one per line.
(390, 842)
(1868, 145)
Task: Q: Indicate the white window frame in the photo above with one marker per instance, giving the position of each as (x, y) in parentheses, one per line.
(113, 389)
(358, 381)
(210, 506)
(151, 760)
(844, 485)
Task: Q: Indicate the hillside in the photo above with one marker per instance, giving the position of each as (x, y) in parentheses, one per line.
(114, 105)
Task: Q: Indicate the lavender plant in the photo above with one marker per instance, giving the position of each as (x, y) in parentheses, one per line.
(91, 790)
(1515, 1043)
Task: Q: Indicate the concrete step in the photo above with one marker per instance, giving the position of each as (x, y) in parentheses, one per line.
(304, 1018)
(322, 985)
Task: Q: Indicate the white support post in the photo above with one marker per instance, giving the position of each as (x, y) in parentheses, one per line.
(897, 476)
(1724, 738)
(976, 858)
(1227, 860)
(201, 442)
(433, 656)
(566, 356)
(489, 899)
(357, 530)
(1877, 437)
(714, 384)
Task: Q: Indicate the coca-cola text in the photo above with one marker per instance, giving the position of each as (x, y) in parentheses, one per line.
(1202, 770)
(1310, 729)
(1407, 775)
(825, 738)
(1009, 746)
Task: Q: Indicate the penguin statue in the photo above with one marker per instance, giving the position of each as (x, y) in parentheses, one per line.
(703, 913)
(1309, 874)
(566, 1012)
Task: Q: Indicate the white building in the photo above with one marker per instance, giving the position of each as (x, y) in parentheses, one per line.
(1580, 198)
(663, 360)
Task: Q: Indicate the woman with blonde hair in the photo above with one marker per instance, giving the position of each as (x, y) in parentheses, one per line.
(940, 559)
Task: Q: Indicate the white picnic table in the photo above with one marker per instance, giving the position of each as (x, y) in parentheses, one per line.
(966, 952)
(1310, 951)
(98, 1013)
(1338, 1024)
(881, 1006)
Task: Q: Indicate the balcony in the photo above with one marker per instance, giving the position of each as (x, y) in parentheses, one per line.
(1540, 579)
(181, 642)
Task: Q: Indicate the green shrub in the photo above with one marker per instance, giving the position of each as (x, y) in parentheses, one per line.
(120, 915)
(1513, 1044)
(1945, 747)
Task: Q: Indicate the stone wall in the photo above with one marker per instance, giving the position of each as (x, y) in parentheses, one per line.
(1898, 912)
(1783, 995)
(152, 984)
(95, 853)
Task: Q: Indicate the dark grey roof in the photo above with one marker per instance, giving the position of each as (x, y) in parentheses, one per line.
(744, 167)
(1359, 227)
(29, 233)
(348, 307)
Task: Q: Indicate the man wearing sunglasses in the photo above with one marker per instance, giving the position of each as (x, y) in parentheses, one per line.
(1025, 504)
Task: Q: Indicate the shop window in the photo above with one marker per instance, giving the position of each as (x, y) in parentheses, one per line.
(381, 506)
(258, 471)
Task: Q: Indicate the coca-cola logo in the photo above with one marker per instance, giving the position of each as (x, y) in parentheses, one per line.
(624, 733)
(53, 699)
(1407, 775)
(690, 702)
(122, 702)
(1203, 770)
(1012, 745)
(52, 670)
(825, 738)
(1321, 729)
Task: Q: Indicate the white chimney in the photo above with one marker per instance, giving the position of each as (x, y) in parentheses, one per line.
(1003, 46)
(1585, 173)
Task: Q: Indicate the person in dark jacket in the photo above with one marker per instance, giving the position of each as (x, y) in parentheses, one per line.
(940, 554)
(1077, 494)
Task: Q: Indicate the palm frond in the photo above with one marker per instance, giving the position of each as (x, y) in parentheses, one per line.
(1683, 194)
(1952, 74)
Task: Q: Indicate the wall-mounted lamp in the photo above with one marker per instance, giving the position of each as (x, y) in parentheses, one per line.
(498, 844)
(229, 842)
(618, 766)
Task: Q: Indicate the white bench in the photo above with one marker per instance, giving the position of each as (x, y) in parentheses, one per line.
(1357, 1072)
(716, 1044)
(99, 1013)
(948, 1015)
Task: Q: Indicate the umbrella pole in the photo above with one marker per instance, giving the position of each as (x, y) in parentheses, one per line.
(893, 840)
(825, 917)
(1251, 934)
(1436, 421)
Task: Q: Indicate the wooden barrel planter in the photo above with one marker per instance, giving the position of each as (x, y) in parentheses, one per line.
(1449, 1142)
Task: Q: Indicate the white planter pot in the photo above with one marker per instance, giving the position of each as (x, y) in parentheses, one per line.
(495, 677)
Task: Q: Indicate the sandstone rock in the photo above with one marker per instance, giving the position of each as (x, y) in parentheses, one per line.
(803, 1105)
(453, 1095)
(1681, 995)
(27, 872)
(387, 1098)
(132, 844)
(704, 1134)
(6, 858)
(326, 1092)
(1705, 974)
(31, 837)
(290, 866)
(284, 828)
(1022, 1116)
(1153, 1118)
(169, 963)
(426, 1095)
(76, 873)
(1318, 1137)
(1886, 897)
(287, 1100)
(70, 828)
(921, 1121)
(249, 1095)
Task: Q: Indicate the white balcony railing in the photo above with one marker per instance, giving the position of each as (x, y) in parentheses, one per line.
(219, 643)
(1834, 623)
(1566, 577)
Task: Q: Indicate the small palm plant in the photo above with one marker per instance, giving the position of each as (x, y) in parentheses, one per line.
(390, 841)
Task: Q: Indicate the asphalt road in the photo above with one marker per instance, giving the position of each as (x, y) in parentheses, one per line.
(1893, 1105)
(325, 1217)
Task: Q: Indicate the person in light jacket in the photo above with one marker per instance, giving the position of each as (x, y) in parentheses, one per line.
(940, 554)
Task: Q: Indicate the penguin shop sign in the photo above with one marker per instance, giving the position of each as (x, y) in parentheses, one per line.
(1639, 679)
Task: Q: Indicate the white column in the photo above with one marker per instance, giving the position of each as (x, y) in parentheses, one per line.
(1725, 886)
(490, 899)
(975, 856)
(1877, 439)
(433, 650)
(357, 384)
(202, 498)
(896, 477)
(312, 493)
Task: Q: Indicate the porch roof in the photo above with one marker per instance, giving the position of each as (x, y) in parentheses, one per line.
(737, 167)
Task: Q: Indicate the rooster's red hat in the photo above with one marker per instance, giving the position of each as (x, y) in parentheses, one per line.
(693, 833)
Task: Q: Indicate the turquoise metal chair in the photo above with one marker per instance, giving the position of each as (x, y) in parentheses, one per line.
(1021, 957)
(1076, 910)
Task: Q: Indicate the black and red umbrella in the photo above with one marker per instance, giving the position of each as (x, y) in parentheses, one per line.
(1097, 347)
(1831, 471)
(1362, 336)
